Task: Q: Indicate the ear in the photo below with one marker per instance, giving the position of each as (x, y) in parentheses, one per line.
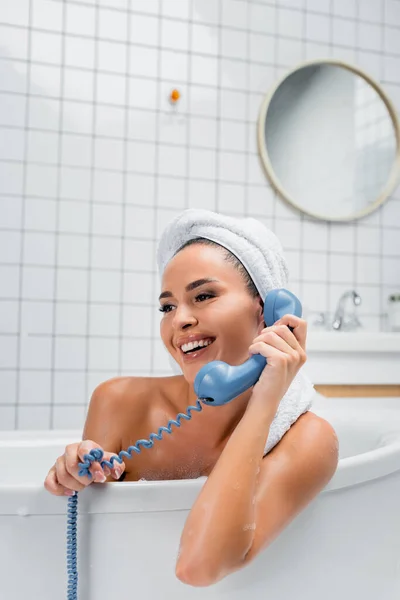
(261, 323)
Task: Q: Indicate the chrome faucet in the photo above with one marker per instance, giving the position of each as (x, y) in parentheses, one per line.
(340, 320)
(338, 317)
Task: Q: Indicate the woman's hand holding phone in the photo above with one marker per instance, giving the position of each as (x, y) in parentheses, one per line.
(285, 351)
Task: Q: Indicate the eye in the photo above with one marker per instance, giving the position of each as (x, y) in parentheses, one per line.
(166, 308)
(205, 296)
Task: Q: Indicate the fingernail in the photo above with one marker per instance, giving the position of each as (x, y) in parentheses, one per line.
(117, 473)
(99, 477)
(68, 493)
(107, 470)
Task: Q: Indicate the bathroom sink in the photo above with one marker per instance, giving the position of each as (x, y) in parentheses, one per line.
(352, 341)
(353, 358)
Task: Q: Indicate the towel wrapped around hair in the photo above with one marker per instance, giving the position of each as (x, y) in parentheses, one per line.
(256, 246)
(261, 253)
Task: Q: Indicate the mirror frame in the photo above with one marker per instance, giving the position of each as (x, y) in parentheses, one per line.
(265, 160)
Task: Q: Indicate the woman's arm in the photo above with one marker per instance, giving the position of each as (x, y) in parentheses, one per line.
(247, 499)
(219, 530)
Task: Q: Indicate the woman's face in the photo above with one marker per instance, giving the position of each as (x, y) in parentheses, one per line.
(208, 314)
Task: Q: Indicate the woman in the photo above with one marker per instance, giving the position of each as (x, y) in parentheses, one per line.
(212, 310)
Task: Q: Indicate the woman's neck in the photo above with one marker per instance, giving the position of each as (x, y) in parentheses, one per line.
(216, 424)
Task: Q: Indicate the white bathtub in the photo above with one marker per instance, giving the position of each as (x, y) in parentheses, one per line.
(344, 545)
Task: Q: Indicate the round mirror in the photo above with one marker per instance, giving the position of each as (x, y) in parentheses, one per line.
(329, 140)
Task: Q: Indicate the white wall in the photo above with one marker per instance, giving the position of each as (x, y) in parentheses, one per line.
(93, 163)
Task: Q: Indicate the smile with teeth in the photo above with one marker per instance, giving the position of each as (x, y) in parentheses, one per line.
(191, 346)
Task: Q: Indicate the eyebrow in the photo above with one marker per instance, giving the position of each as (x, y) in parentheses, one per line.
(189, 287)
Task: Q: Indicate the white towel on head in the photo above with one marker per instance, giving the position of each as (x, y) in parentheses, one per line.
(256, 246)
(261, 253)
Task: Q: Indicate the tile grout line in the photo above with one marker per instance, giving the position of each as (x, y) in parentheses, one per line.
(57, 223)
(22, 240)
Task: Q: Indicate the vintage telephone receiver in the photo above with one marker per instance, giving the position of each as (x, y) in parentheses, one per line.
(218, 383)
(215, 384)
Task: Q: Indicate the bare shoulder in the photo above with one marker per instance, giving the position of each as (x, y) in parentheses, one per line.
(108, 404)
(132, 397)
(321, 427)
(310, 427)
(118, 389)
(308, 433)
(133, 391)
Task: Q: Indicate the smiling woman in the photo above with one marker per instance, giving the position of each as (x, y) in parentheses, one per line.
(212, 309)
(219, 308)
(231, 259)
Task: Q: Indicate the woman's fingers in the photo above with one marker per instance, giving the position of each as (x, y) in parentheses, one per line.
(118, 468)
(71, 463)
(280, 343)
(59, 482)
(295, 339)
(298, 325)
(268, 351)
(279, 338)
(65, 478)
(95, 469)
(52, 485)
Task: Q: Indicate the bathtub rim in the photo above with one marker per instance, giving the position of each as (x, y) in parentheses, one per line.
(177, 495)
(170, 495)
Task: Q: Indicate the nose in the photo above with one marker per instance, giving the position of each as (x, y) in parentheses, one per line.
(183, 318)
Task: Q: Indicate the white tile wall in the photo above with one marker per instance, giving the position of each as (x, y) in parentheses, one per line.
(94, 162)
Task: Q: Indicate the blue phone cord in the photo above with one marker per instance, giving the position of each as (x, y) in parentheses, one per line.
(96, 455)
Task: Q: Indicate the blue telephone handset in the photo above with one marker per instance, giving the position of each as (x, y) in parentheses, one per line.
(215, 384)
(218, 383)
